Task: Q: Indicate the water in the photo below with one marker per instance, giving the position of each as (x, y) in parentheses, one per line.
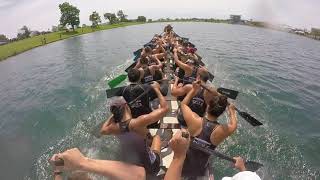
(53, 96)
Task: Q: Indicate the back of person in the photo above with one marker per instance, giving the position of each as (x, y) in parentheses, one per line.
(197, 105)
(196, 162)
(140, 106)
(147, 76)
(134, 150)
(189, 79)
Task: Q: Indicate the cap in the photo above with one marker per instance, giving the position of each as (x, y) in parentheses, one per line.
(244, 175)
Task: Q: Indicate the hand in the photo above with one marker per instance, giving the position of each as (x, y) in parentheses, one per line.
(155, 85)
(239, 163)
(231, 107)
(175, 50)
(196, 85)
(179, 144)
(73, 159)
(176, 78)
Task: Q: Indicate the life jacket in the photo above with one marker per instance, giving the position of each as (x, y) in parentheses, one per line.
(140, 106)
(197, 161)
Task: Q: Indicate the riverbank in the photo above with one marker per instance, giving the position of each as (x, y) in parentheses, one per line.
(21, 46)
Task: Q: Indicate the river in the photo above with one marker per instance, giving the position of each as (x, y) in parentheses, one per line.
(53, 96)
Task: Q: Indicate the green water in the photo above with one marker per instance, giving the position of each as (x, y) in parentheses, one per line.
(53, 96)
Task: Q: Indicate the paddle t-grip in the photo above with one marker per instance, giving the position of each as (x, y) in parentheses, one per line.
(185, 135)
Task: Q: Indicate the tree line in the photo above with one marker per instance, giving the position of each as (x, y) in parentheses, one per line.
(70, 19)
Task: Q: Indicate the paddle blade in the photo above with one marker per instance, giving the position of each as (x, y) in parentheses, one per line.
(252, 166)
(113, 92)
(246, 116)
(232, 94)
(137, 52)
(116, 81)
(211, 77)
(131, 66)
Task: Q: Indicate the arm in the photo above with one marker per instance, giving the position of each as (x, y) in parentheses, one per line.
(155, 115)
(75, 160)
(193, 121)
(182, 65)
(179, 91)
(232, 124)
(109, 127)
(179, 145)
(138, 65)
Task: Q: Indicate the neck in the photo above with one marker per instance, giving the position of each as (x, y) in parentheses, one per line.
(211, 117)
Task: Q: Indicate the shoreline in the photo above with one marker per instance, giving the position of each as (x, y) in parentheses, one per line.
(21, 46)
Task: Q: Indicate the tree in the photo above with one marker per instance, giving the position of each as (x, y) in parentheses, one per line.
(24, 32)
(111, 17)
(69, 15)
(122, 16)
(95, 19)
(149, 20)
(141, 19)
(3, 37)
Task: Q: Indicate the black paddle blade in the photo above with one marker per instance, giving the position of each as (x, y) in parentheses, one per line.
(253, 166)
(253, 121)
(113, 92)
(131, 66)
(211, 77)
(232, 94)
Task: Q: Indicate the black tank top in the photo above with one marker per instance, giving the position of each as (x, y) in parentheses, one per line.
(151, 61)
(191, 78)
(197, 105)
(140, 106)
(147, 76)
(196, 161)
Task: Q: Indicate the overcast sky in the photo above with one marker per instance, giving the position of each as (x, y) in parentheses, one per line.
(42, 14)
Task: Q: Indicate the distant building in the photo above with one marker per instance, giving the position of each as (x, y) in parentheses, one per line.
(235, 19)
(3, 42)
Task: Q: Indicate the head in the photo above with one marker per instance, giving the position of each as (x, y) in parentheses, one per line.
(134, 75)
(148, 50)
(191, 62)
(217, 105)
(144, 61)
(203, 76)
(118, 106)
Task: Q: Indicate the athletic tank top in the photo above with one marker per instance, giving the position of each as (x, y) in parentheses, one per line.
(140, 106)
(151, 61)
(196, 161)
(191, 78)
(197, 105)
(147, 76)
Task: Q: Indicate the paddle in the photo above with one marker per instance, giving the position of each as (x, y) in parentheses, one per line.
(246, 116)
(232, 94)
(253, 121)
(116, 81)
(207, 147)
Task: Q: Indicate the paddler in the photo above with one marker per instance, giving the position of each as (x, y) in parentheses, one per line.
(206, 128)
(139, 166)
(190, 69)
(198, 103)
(148, 72)
(123, 120)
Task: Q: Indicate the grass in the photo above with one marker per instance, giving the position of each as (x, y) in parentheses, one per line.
(18, 47)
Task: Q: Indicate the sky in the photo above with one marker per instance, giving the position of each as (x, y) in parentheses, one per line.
(42, 14)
